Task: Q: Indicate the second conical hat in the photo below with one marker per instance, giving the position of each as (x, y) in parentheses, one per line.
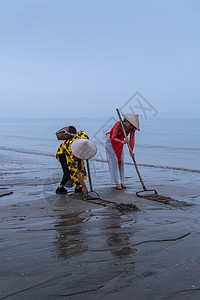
(133, 119)
(83, 148)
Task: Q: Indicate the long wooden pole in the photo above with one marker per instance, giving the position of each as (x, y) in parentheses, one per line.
(129, 147)
(89, 175)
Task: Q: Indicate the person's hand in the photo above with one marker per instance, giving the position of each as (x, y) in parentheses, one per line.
(85, 191)
(132, 154)
(82, 182)
(125, 141)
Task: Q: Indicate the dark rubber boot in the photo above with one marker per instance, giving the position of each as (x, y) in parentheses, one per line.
(78, 190)
(61, 191)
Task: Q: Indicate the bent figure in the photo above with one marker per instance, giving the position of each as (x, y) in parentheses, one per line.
(74, 172)
(114, 143)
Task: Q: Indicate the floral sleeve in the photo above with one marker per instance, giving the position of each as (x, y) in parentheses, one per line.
(76, 165)
(83, 135)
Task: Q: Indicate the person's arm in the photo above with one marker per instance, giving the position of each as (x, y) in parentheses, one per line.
(132, 139)
(83, 135)
(115, 134)
(132, 142)
(82, 182)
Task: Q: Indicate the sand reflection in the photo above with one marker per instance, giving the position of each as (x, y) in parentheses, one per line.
(69, 239)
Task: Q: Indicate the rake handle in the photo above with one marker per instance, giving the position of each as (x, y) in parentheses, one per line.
(89, 175)
(129, 147)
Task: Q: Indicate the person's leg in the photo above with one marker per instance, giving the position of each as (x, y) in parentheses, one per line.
(121, 171)
(78, 188)
(66, 174)
(113, 163)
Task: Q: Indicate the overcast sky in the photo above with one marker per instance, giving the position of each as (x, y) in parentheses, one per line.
(84, 58)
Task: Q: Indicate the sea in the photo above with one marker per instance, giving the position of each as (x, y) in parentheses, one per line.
(167, 150)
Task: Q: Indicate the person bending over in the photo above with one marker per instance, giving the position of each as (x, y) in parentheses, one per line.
(74, 172)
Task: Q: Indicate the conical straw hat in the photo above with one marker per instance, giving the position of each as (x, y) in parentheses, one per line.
(133, 119)
(83, 148)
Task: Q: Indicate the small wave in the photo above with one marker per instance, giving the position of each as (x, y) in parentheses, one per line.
(35, 152)
(168, 167)
(26, 138)
(99, 160)
(168, 147)
(155, 166)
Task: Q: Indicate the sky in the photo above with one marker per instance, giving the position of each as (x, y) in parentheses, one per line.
(85, 58)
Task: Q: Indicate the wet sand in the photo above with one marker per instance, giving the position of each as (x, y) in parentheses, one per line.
(62, 247)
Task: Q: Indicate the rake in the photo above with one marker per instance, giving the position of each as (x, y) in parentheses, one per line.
(145, 191)
(91, 192)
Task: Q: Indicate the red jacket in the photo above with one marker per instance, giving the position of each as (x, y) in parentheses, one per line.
(117, 136)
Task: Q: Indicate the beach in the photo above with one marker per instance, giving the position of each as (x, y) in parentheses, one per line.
(56, 247)
(84, 66)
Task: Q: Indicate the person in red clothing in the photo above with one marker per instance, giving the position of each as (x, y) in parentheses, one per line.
(114, 143)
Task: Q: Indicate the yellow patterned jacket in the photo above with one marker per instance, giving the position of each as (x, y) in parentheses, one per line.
(74, 164)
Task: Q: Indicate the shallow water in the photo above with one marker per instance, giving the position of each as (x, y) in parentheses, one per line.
(61, 247)
(166, 142)
(167, 153)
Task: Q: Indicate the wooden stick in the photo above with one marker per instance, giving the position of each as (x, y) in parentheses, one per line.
(89, 175)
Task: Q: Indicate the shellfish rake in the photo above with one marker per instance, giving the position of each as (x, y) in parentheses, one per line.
(92, 194)
(145, 192)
